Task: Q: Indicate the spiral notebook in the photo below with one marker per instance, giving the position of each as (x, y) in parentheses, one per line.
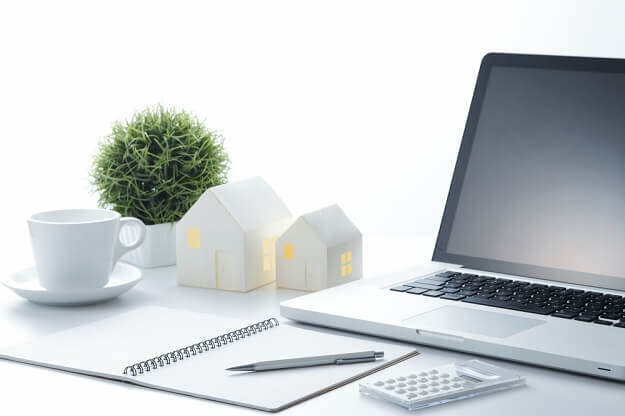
(187, 353)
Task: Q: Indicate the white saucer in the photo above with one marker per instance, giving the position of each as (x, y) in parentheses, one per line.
(26, 284)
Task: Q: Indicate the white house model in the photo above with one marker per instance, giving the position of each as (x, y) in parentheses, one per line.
(227, 239)
(321, 249)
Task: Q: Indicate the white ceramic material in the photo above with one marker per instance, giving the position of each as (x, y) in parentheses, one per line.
(26, 284)
(158, 249)
(78, 248)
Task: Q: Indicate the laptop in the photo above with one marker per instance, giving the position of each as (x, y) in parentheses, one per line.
(529, 264)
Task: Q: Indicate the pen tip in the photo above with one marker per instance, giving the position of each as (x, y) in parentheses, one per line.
(241, 368)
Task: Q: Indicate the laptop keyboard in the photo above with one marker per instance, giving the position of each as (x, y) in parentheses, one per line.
(585, 306)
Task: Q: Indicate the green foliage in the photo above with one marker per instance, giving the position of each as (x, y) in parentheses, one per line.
(156, 166)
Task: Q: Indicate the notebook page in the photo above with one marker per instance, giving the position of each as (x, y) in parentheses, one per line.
(103, 348)
(206, 376)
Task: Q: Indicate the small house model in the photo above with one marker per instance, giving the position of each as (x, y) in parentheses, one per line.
(227, 239)
(319, 250)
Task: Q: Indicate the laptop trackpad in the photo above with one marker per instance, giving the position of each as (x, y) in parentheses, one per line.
(473, 321)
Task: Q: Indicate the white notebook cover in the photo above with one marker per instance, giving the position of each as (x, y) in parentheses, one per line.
(104, 348)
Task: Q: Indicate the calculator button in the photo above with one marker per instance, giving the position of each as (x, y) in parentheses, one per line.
(412, 376)
(423, 393)
(401, 385)
(423, 386)
(412, 382)
(445, 381)
(434, 390)
(456, 379)
(434, 384)
(423, 374)
(433, 377)
(401, 378)
(445, 375)
(445, 388)
(390, 387)
(411, 396)
(400, 391)
(390, 380)
(423, 380)
(378, 383)
(412, 389)
(433, 371)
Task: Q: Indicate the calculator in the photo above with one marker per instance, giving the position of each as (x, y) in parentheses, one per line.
(442, 384)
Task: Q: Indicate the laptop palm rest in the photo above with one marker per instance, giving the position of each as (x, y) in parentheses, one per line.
(473, 321)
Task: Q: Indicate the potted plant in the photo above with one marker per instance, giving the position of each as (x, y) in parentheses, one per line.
(155, 167)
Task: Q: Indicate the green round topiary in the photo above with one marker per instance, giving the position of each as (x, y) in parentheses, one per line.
(155, 166)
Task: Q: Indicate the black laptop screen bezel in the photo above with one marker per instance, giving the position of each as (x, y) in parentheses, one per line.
(518, 61)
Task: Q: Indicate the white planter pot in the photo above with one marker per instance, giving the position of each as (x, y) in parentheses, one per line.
(158, 249)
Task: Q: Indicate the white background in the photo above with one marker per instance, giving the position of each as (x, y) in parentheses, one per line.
(361, 103)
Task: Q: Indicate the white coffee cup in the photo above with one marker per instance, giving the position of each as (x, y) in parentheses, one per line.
(78, 248)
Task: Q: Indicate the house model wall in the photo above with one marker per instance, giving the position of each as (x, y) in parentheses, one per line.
(319, 250)
(227, 239)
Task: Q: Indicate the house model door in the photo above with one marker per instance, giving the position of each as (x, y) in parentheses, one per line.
(224, 276)
(313, 275)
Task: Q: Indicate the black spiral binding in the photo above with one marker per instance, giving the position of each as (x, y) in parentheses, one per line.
(198, 348)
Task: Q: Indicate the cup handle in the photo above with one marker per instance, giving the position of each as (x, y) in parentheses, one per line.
(120, 247)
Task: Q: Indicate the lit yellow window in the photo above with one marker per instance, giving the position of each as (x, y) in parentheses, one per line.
(269, 247)
(346, 263)
(289, 251)
(193, 238)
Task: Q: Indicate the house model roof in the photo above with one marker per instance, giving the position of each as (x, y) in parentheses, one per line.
(251, 202)
(332, 225)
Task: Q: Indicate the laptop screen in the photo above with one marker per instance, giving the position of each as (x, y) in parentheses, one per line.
(539, 186)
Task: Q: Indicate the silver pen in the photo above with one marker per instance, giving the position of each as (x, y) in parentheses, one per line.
(332, 359)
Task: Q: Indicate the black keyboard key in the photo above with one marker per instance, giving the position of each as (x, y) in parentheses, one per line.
(585, 318)
(438, 279)
(433, 293)
(485, 295)
(401, 288)
(423, 285)
(447, 274)
(620, 324)
(416, 291)
(467, 275)
(449, 290)
(564, 314)
(614, 317)
(454, 285)
(602, 322)
(430, 282)
(466, 292)
(546, 310)
(452, 296)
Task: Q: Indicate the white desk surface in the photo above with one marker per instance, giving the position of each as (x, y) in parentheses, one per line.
(30, 390)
